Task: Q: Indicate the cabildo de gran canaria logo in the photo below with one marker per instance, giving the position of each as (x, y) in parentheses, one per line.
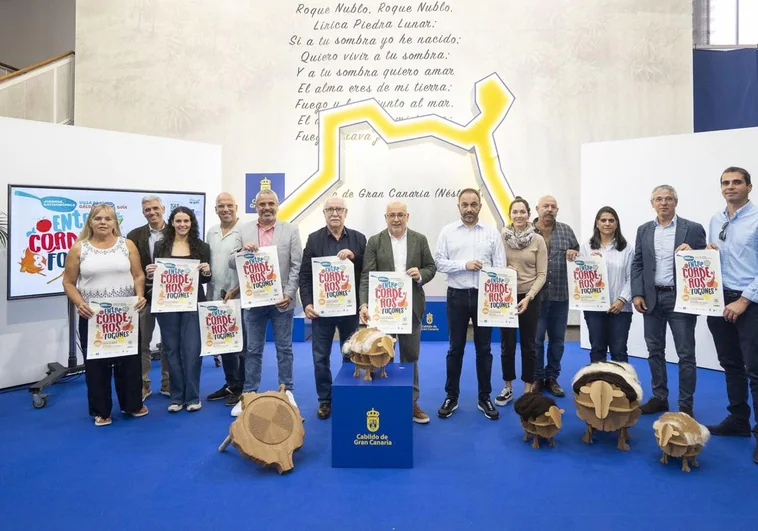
(372, 420)
(372, 438)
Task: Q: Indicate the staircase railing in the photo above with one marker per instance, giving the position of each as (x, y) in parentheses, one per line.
(42, 92)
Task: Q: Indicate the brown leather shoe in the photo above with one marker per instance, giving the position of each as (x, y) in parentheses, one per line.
(324, 410)
(537, 386)
(551, 384)
(654, 405)
(419, 416)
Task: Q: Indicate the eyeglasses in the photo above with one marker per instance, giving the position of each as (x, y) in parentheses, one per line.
(395, 216)
(722, 234)
(334, 210)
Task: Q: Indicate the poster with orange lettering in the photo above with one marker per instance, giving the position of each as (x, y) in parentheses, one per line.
(220, 327)
(588, 284)
(113, 330)
(258, 274)
(699, 289)
(390, 302)
(175, 285)
(333, 287)
(497, 299)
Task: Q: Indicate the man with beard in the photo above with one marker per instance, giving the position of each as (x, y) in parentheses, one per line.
(269, 231)
(562, 245)
(145, 238)
(464, 247)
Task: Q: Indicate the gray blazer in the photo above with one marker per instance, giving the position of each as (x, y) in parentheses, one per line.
(643, 263)
(290, 253)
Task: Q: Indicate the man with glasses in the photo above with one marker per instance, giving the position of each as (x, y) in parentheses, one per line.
(654, 296)
(402, 250)
(736, 332)
(332, 240)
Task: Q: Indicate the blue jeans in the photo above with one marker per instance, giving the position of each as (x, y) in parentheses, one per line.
(322, 340)
(553, 320)
(683, 329)
(255, 320)
(180, 336)
(234, 370)
(608, 331)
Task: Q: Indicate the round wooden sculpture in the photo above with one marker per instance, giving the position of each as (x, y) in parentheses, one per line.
(369, 362)
(268, 430)
(679, 435)
(604, 407)
(546, 426)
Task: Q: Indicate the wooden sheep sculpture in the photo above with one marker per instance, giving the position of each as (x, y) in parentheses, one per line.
(607, 395)
(540, 417)
(268, 431)
(369, 349)
(679, 435)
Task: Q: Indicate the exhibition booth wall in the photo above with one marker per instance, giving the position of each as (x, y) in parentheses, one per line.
(623, 174)
(34, 332)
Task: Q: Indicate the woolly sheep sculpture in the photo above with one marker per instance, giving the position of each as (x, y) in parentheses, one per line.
(540, 417)
(679, 435)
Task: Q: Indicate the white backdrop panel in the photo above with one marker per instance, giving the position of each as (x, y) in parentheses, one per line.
(34, 332)
(622, 174)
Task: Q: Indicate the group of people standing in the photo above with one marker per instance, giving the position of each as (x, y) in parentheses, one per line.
(103, 264)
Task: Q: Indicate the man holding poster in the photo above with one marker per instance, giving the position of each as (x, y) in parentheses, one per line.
(734, 232)
(331, 241)
(654, 296)
(268, 231)
(463, 249)
(401, 250)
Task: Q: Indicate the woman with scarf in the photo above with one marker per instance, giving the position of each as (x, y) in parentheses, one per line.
(526, 252)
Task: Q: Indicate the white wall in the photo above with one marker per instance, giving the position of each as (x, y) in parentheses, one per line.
(580, 70)
(623, 174)
(34, 30)
(33, 332)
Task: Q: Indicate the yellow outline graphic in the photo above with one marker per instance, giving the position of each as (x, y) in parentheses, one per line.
(493, 99)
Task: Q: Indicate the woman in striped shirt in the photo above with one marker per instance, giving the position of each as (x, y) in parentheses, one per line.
(610, 329)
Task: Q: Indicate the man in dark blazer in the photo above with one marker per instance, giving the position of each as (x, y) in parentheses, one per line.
(145, 238)
(332, 240)
(654, 295)
(401, 249)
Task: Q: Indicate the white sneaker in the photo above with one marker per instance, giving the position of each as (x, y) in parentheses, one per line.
(194, 407)
(175, 408)
(505, 396)
(237, 409)
(291, 398)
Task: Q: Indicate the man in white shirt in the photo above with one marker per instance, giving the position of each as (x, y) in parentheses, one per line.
(463, 248)
(222, 240)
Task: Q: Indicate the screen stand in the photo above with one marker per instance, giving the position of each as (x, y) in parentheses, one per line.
(56, 371)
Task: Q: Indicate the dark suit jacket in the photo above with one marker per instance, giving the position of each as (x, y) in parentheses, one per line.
(318, 245)
(379, 257)
(643, 263)
(203, 254)
(141, 238)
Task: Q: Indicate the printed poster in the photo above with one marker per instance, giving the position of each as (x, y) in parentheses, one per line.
(175, 285)
(497, 298)
(588, 284)
(258, 274)
(114, 329)
(390, 302)
(220, 327)
(699, 289)
(333, 287)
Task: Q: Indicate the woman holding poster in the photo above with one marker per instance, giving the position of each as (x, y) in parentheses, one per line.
(180, 330)
(526, 252)
(104, 265)
(610, 329)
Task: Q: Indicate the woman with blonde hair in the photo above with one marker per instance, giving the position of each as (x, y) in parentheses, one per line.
(102, 264)
(526, 252)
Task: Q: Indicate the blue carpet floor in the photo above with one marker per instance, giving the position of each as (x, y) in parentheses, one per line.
(164, 472)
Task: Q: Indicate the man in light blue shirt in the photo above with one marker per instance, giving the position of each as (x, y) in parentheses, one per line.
(463, 248)
(734, 232)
